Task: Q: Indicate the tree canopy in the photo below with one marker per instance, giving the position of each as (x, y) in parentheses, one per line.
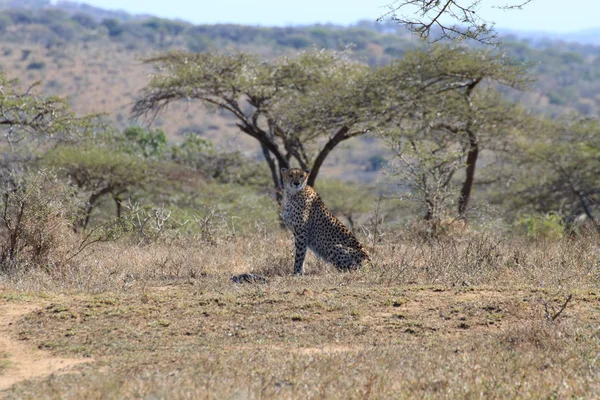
(298, 108)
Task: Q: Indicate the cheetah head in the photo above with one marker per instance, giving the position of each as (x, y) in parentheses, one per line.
(294, 179)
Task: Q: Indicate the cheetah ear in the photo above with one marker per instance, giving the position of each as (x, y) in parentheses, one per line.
(283, 170)
(307, 171)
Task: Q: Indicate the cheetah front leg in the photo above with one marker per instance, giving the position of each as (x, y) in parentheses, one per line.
(301, 243)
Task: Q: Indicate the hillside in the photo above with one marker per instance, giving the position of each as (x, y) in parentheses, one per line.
(95, 58)
(567, 73)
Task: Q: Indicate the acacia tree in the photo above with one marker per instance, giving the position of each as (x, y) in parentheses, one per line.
(453, 108)
(299, 109)
(454, 19)
(99, 171)
(28, 120)
(558, 169)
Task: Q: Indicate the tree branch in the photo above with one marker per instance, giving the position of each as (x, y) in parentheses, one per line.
(341, 135)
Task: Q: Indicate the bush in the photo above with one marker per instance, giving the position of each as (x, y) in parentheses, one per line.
(137, 140)
(115, 28)
(5, 22)
(345, 199)
(295, 41)
(19, 16)
(199, 154)
(549, 226)
(36, 223)
(98, 172)
(198, 42)
(36, 65)
(85, 20)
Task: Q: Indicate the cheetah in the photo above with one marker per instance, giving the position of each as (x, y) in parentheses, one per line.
(315, 227)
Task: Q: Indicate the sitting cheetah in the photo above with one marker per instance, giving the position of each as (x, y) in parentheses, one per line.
(314, 226)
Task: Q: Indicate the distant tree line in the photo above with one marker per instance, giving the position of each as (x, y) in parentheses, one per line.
(567, 74)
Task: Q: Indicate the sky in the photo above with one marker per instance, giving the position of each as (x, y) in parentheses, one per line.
(558, 16)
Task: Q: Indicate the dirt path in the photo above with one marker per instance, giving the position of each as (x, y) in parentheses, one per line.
(25, 360)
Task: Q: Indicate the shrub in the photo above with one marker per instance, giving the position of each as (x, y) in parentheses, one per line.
(548, 226)
(345, 199)
(36, 222)
(5, 22)
(36, 65)
(85, 20)
(98, 172)
(199, 154)
(147, 143)
(115, 28)
(198, 42)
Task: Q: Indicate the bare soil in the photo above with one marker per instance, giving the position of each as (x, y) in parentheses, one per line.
(22, 359)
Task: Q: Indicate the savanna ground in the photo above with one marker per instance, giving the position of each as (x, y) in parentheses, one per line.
(472, 316)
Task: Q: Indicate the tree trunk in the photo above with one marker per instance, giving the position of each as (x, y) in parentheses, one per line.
(118, 203)
(339, 136)
(269, 148)
(275, 174)
(472, 155)
(90, 206)
(467, 187)
(588, 211)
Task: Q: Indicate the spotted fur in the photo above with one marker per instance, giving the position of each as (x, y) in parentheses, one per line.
(315, 227)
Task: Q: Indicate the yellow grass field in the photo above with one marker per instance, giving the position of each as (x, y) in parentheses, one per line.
(475, 316)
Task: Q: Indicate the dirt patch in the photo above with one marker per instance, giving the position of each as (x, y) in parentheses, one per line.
(23, 360)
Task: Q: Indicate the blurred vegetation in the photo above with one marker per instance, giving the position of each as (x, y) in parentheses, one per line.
(535, 226)
(566, 73)
(460, 144)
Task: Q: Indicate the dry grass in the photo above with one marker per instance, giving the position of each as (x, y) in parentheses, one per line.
(459, 318)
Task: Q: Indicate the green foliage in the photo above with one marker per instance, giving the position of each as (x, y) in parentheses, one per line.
(27, 115)
(424, 170)
(557, 64)
(192, 146)
(559, 165)
(51, 16)
(294, 41)
(535, 226)
(85, 20)
(5, 22)
(199, 154)
(301, 99)
(30, 123)
(166, 26)
(97, 172)
(198, 43)
(375, 163)
(147, 143)
(20, 16)
(451, 117)
(114, 27)
(557, 99)
(348, 200)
